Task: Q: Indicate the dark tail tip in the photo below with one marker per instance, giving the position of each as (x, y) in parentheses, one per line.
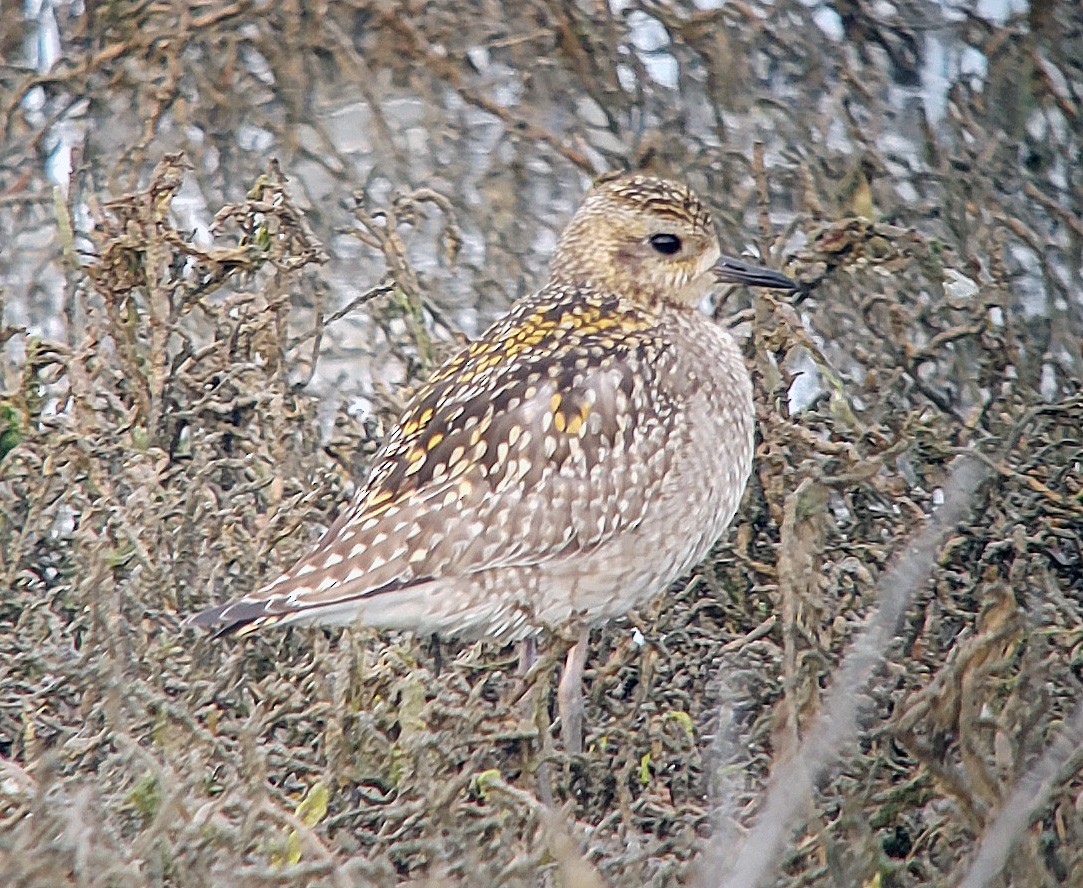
(224, 624)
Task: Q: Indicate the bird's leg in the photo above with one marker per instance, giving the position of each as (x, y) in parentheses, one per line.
(527, 696)
(437, 654)
(535, 710)
(528, 654)
(570, 694)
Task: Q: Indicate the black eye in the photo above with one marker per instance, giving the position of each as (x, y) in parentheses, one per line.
(667, 244)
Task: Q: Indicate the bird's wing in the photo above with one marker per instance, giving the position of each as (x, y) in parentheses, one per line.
(508, 456)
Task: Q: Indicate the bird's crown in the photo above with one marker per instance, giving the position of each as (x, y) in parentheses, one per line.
(648, 238)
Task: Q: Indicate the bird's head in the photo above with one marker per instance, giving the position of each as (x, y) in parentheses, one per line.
(651, 239)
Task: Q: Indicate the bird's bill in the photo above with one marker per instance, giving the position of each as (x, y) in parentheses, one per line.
(730, 270)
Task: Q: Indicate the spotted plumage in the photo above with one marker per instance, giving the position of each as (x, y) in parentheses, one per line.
(582, 454)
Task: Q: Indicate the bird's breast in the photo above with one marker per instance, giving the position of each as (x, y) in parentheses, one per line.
(712, 457)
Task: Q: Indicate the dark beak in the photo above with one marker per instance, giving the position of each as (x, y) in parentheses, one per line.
(728, 270)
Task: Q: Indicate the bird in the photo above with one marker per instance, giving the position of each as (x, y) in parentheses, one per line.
(566, 467)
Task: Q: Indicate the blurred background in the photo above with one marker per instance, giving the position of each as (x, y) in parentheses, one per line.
(234, 234)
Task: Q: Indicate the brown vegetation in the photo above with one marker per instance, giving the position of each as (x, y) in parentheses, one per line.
(167, 438)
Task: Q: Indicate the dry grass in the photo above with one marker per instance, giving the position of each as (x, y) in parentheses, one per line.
(167, 438)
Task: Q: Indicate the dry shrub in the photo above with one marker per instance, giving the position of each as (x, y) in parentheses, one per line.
(164, 451)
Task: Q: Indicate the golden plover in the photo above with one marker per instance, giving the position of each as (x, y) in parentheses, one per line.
(567, 466)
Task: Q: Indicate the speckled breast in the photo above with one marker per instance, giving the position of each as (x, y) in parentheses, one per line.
(683, 470)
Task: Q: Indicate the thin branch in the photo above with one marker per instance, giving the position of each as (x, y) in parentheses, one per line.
(757, 858)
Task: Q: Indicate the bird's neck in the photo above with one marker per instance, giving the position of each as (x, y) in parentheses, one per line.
(620, 296)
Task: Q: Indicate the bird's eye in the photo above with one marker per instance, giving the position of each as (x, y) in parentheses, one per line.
(666, 244)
